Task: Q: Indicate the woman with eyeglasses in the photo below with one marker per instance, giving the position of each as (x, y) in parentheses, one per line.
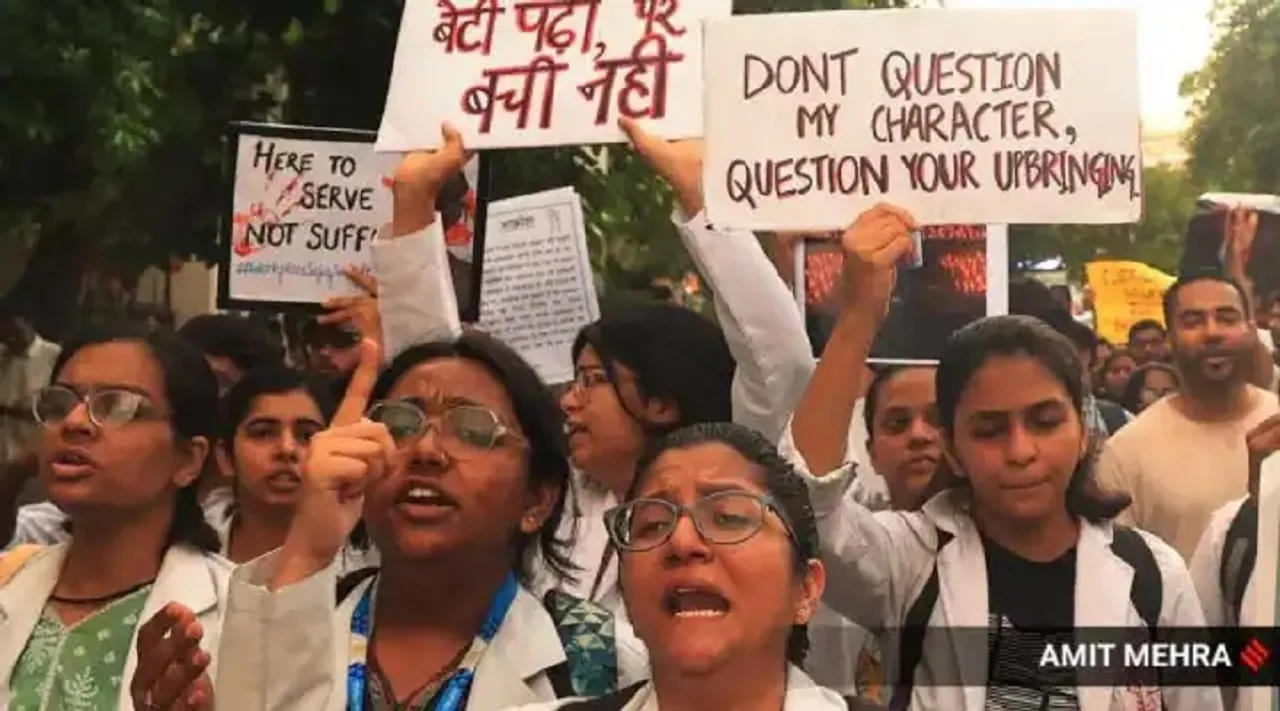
(639, 372)
(454, 459)
(125, 428)
(720, 573)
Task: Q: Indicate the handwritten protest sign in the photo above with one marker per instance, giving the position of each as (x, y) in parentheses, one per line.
(958, 116)
(538, 290)
(519, 73)
(1125, 293)
(953, 286)
(309, 202)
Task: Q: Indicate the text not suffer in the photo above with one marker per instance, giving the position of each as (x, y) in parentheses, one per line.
(303, 210)
(521, 73)
(982, 116)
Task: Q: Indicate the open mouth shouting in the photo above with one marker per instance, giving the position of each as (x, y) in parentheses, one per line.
(423, 502)
(685, 602)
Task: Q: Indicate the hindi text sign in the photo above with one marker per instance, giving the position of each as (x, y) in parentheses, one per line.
(960, 116)
(538, 291)
(521, 73)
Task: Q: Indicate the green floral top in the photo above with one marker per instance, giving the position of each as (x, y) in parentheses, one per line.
(76, 668)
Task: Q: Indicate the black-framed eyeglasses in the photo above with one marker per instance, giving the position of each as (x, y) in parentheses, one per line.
(471, 425)
(107, 407)
(724, 518)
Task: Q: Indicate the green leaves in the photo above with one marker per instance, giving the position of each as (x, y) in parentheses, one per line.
(1234, 138)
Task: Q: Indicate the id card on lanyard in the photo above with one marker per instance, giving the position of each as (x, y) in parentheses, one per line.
(454, 691)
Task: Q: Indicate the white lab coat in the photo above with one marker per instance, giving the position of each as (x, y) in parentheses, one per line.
(192, 578)
(878, 562)
(46, 524)
(288, 650)
(802, 695)
(761, 324)
(1206, 567)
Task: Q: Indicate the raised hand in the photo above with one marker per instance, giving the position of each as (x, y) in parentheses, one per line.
(1241, 228)
(171, 673)
(679, 163)
(342, 461)
(418, 181)
(360, 309)
(1262, 441)
(873, 246)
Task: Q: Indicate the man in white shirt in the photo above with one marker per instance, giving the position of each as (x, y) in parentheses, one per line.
(1185, 457)
(26, 362)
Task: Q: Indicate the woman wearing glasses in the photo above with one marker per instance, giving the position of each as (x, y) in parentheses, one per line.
(458, 470)
(720, 574)
(126, 426)
(639, 372)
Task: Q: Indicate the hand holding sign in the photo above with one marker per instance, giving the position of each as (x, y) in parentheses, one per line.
(342, 462)
(679, 163)
(171, 666)
(418, 180)
(359, 310)
(874, 245)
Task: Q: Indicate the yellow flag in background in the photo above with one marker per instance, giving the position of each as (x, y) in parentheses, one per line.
(1123, 294)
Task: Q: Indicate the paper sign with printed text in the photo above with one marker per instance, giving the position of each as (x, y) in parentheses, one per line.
(538, 290)
(959, 116)
(521, 73)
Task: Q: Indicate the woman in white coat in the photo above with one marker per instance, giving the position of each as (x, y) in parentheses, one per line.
(1021, 541)
(126, 426)
(637, 373)
(720, 572)
(455, 460)
(1224, 561)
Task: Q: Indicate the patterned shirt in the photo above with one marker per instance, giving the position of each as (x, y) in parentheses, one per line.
(77, 667)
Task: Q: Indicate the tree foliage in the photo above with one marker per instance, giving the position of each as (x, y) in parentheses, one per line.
(1234, 139)
(1168, 200)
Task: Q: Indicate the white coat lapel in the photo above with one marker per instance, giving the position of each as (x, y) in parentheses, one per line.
(21, 602)
(526, 645)
(186, 578)
(1102, 598)
(963, 602)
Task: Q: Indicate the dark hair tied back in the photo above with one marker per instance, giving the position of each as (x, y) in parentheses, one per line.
(1002, 336)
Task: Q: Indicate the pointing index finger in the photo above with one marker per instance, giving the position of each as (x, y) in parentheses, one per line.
(356, 400)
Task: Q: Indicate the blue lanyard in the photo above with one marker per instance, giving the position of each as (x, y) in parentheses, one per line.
(455, 689)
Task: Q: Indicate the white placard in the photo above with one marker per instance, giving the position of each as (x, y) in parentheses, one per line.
(960, 116)
(537, 289)
(303, 210)
(521, 73)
